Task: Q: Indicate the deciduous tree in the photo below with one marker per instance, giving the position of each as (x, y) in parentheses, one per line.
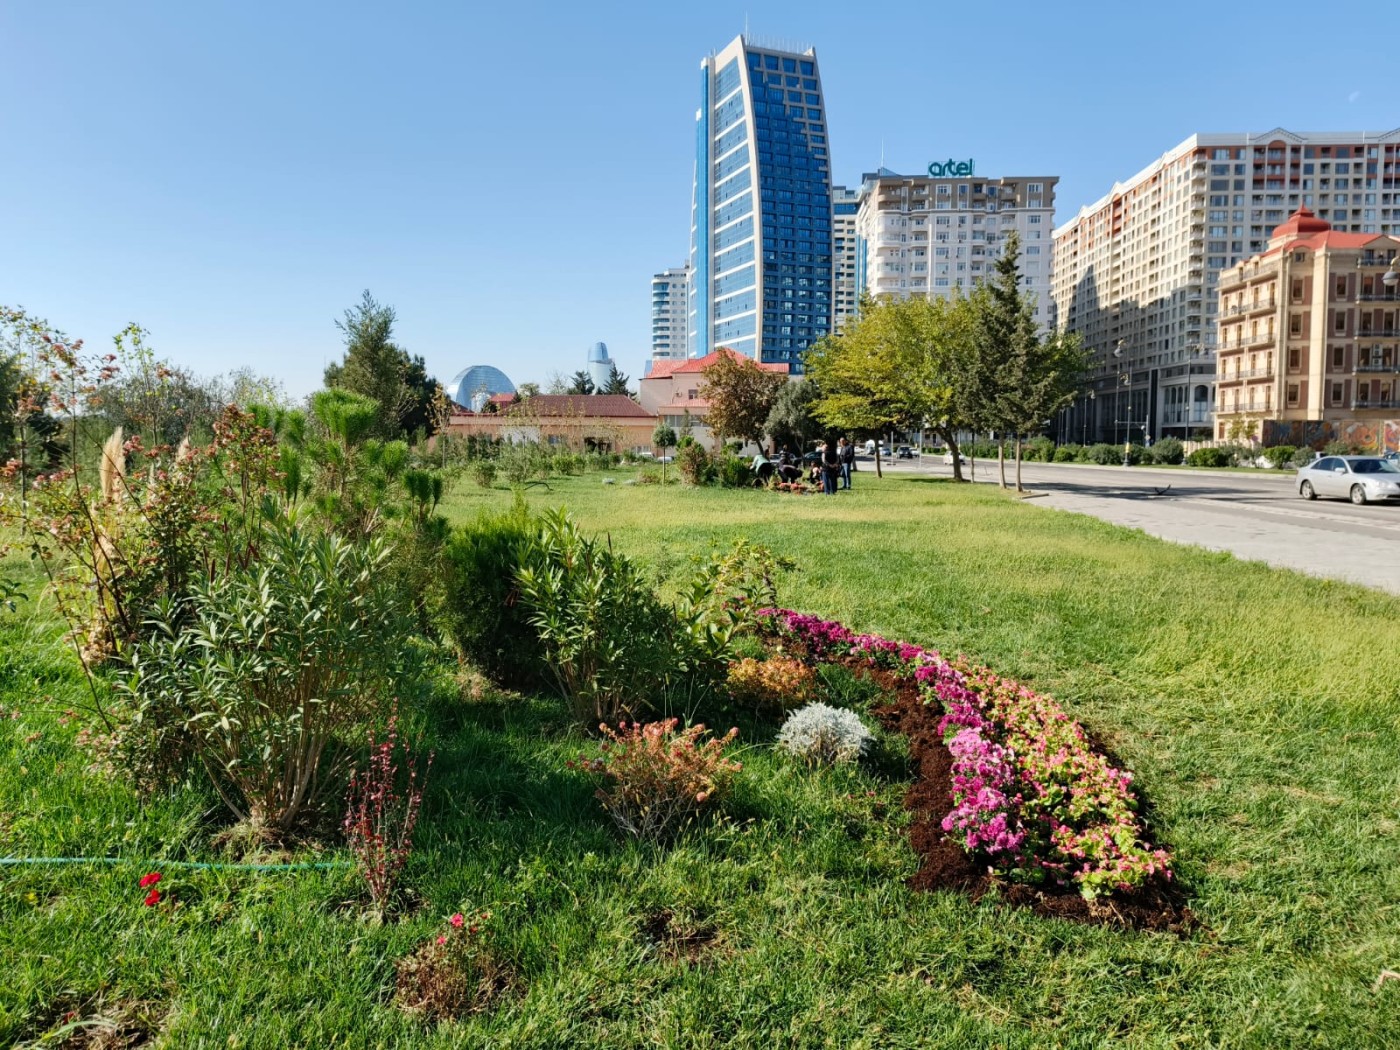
(741, 395)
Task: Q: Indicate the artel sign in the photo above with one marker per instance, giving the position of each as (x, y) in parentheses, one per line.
(950, 169)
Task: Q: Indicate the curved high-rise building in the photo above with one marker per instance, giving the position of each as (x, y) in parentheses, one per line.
(600, 366)
(761, 243)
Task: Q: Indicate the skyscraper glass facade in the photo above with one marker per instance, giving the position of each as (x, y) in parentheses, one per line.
(761, 236)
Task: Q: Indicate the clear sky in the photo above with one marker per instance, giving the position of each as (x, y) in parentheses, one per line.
(231, 175)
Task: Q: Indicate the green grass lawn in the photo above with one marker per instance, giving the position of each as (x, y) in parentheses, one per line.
(1258, 708)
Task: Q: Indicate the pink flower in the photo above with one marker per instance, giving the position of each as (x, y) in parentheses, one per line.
(442, 939)
(456, 920)
(150, 879)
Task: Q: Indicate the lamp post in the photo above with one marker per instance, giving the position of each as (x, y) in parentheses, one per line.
(1125, 378)
(1084, 419)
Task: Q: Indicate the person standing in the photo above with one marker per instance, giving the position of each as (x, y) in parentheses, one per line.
(831, 468)
(848, 460)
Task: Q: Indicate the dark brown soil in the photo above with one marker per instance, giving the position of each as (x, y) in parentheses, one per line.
(678, 937)
(945, 865)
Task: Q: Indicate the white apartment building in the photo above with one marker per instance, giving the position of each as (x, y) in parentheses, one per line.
(1136, 272)
(669, 314)
(845, 203)
(938, 233)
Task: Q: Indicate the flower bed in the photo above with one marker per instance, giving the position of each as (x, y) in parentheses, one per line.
(1031, 798)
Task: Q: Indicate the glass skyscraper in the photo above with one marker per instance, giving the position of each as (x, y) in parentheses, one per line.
(760, 240)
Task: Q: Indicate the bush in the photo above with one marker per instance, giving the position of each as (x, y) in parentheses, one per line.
(694, 464)
(482, 613)
(1209, 457)
(1303, 456)
(1168, 451)
(1104, 455)
(775, 684)
(1280, 456)
(1068, 453)
(1039, 449)
(735, 473)
(456, 973)
(279, 662)
(609, 643)
(484, 472)
(822, 735)
(658, 780)
(1342, 448)
(979, 449)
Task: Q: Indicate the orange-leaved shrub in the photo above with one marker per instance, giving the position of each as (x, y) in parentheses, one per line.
(779, 682)
(660, 778)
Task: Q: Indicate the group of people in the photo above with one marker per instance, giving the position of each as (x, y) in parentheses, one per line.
(832, 468)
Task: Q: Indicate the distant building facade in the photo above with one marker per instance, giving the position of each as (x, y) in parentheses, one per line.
(845, 203)
(670, 295)
(1309, 339)
(761, 238)
(934, 235)
(581, 422)
(1138, 270)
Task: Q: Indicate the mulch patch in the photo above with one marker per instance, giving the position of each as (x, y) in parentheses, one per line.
(945, 865)
(679, 936)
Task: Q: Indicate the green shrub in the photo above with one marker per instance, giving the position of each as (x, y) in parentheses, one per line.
(1302, 457)
(1168, 451)
(608, 641)
(694, 464)
(1209, 457)
(980, 449)
(1039, 449)
(279, 664)
(482, 613)
(484, 472)
(734, 473)
(1068, 453)
(1280, 456)
(1342, 448)
(1104, 454)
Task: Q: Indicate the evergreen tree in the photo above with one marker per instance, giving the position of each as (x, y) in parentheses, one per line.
(376, 368)
(580, 383)
(616, 384)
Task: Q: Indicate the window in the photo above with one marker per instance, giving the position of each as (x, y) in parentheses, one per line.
(1293, 393)
(1341, 286)
(1295, 358)
(1339, 322)
(1336, 394)
(1297, 292)
(1338, 357)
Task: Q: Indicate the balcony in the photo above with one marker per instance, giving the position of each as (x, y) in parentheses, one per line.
(1378, 333)
(1386, 403)
(1263, 307)
(1378, 297)
(1375, 367)
(1244, 373)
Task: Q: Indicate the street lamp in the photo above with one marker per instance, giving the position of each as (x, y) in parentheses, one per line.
(1125, 378)
(1084, 420)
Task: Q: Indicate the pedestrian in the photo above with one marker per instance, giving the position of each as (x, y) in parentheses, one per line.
(831, 467)
(848, 461)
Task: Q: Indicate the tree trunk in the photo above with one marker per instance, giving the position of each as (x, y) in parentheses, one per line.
(1001, 461)
(1018, 464)
(878, 472)
(952, 444)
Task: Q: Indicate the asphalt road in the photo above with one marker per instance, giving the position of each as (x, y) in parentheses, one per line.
(1256, 517)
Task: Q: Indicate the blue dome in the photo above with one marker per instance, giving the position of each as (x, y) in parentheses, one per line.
(480, 382)
(599, 354)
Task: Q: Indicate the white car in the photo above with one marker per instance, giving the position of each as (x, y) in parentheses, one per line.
(948, 458)
(1358, 478)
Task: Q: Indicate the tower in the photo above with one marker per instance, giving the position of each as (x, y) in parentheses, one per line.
(761, 220)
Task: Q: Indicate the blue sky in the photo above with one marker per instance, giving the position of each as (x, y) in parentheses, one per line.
(231, 176)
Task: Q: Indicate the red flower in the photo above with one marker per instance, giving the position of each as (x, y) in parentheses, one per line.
(442, 939)
(456, 920)
(152, 898)
(150, 880)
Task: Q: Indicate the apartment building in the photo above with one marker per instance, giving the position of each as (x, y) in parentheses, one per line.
(1309, 338)
(1137, 271)
(845, 203)
(670, 290)
(935, 234)
(761, 239)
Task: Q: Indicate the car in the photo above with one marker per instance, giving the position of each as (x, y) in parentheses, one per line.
(948, 458)
(811, 457)
(904, 452)
(1358, 478)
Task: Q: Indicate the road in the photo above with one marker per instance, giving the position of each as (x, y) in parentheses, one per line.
(1256, 517)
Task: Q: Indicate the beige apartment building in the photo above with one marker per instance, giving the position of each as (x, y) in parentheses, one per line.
(933, 235)
(1137, 271)
(1309, 339)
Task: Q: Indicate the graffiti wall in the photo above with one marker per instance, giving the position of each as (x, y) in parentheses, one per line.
(1314, 433)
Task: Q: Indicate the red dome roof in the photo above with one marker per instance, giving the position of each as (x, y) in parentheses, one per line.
(1302, 223)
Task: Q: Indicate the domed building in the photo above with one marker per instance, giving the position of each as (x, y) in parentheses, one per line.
(473, 387)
